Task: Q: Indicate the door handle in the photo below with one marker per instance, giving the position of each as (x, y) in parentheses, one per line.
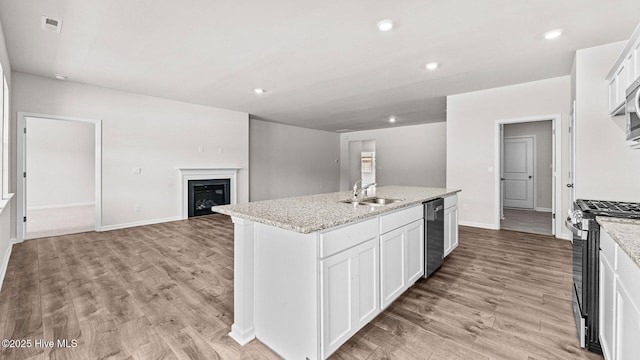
(569, 185)
(502, 179)
(530, 177)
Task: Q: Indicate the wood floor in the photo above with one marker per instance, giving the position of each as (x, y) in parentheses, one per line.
(165, 292)
(529, 221)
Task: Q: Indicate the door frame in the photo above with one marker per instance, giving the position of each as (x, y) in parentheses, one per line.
(535, 163)
(556, 157)
(21, 198)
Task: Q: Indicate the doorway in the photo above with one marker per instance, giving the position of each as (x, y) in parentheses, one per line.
(59, 175)
(362, 166)
(527, 163)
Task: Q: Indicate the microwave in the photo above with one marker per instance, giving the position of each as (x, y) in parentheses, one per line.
(632, 109)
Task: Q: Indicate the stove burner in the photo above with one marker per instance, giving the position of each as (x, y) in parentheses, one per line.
(610, 208)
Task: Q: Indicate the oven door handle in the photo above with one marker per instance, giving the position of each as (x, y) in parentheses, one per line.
(578, 233)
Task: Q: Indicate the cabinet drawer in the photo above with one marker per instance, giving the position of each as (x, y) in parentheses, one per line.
(400, 218)
(450, 201)
(337, 240)
(608, 248)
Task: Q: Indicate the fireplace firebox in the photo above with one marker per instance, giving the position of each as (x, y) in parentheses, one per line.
(203, 194)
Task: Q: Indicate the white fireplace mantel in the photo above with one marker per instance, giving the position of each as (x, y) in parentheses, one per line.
(187, 174)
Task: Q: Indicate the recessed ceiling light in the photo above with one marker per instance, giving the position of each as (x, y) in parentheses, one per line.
(553, 34)
(259, 91)
(385, 25)
(60, 77)
(432, 65)
(392, 119)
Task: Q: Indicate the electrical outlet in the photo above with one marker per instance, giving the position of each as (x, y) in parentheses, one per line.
(465, 207)
(137, 208)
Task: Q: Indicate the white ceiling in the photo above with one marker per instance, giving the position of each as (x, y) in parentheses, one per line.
(323, 63)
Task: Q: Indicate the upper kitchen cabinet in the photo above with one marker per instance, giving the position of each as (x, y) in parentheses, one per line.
(624, 72)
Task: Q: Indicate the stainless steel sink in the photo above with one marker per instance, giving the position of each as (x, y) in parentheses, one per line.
(372, 201)
(380, 201)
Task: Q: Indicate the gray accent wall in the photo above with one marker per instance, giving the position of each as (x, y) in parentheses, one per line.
(290, 161)
(405, 155)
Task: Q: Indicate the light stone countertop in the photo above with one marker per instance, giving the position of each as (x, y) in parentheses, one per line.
(625, 232)
(307, 214)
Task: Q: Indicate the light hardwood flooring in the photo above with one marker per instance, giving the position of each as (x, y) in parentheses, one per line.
(165, 291)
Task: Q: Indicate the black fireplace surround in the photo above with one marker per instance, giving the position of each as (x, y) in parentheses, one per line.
(203, 194)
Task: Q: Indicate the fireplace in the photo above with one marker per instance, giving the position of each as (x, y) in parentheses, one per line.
(203, 194)
(203, 188)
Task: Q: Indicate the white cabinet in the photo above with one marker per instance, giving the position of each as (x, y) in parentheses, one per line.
(624, 72)
(349, 293)
(450, 224)
(619, 307)
(607, 295)
(392, 265)
(415, 251)
(401, 252)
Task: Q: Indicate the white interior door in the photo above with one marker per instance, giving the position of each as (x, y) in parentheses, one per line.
(572, 155)
(518, 160)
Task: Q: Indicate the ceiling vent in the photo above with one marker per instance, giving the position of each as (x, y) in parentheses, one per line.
(51, 24)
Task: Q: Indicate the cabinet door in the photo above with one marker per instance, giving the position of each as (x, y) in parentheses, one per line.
(450, 229)
(415, 251)
(338, 293)
(349, 298)
(454, 228)
(447, 231)
(368, 305)
(392, 265)
(606, 306)
(627, 333)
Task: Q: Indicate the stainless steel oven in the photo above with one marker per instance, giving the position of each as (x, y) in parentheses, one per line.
(585, 247)
(585, 254)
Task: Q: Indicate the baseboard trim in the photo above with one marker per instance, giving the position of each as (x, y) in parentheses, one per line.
(478, 225)
(60, 206)
(5, 261)
(139, 223)
(541, 209)
(564, 236)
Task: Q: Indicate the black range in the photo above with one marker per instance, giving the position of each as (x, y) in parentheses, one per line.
(585, 249)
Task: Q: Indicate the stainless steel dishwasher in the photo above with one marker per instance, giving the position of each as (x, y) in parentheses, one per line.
(433, 235)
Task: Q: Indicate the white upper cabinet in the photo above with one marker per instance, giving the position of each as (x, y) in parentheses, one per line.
(625, 71)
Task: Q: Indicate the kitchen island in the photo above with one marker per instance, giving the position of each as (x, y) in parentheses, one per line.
(310, 271)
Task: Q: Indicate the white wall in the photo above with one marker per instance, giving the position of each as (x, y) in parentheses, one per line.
(291, 161)
(7, 208)
(605, 168)
(542, 130)
(60, 163)
(406, 155)
(471, 140)
(157, 135)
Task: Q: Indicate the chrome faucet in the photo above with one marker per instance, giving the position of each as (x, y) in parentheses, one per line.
(357, 192)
